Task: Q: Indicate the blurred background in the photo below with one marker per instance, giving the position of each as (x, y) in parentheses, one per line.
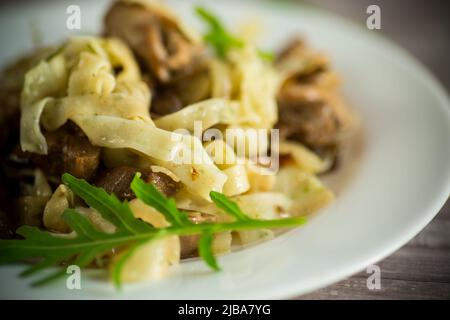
(421, 27)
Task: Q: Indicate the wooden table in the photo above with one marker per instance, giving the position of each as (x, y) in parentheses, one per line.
(421, 269)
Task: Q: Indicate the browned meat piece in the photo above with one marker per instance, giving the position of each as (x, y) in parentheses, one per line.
(310, 110)
(294, 45)
(297, 59)
(163, 182)
(7, 228)
(173, 61)
(189, 244)
(155, 37)
(117, 181)
(69, 150)
(7, 225)
(189, 89)
(165, 102)
(310, 121)
(312, 124)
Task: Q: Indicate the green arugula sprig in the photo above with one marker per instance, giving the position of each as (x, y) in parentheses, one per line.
(220, 39)
(88, 243)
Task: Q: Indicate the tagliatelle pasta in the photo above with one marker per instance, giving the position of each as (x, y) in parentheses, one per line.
(207, 113)
(256, 87)
(303, 158)
(167, 149)
(83, 70)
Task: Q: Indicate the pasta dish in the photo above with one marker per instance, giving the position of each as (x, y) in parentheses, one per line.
(150, 143)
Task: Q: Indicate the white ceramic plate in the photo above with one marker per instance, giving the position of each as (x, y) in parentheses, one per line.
(401, 182)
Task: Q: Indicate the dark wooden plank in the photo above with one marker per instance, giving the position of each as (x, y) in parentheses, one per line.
(410, 273)
(356, 288)
(444, 214)
(419, 26)
(417, 264)
(435, 235)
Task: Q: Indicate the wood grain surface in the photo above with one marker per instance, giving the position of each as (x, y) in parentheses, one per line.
(421, 269)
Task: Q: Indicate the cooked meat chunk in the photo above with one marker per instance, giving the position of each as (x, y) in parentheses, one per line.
(173, 61)
(309, 105)
(69, 150)
(7, 228)
(7, 225)
(156, 38)
(166, 102)
(11, 183)
(191, 88)
(309, 121)
(163, 182)
(117, 181)
(297, 59)
(189, 244)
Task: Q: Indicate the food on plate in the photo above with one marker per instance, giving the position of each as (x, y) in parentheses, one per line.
(148, 144)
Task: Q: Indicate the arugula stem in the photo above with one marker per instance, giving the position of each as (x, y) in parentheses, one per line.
(184, 230)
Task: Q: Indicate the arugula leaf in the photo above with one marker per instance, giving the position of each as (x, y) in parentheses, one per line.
(266, 55)
(220, 39)
(205, 250)
(217, 36)
(88, 243)
(152, 197)
(116, 212)
(228, 206)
